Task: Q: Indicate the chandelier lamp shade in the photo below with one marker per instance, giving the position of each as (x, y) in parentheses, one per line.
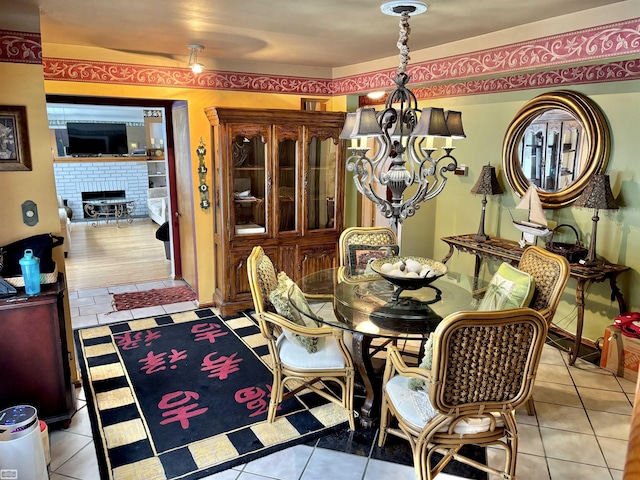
(195, 66)
(597, 195)
(487, 184)
(404, 137)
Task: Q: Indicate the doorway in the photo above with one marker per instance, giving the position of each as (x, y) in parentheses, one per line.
(145, 172)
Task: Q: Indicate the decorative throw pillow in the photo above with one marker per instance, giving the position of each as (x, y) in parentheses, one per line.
(281, 300)
(361, 255)
(509, 288)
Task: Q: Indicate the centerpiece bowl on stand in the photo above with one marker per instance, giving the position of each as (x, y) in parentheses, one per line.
(409, 273)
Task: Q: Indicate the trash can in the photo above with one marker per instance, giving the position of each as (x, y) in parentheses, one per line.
(162, 234)
(21, 449)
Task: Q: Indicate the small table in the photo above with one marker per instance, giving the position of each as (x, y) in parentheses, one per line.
(363, 306)
(110, 208)
(502, 250)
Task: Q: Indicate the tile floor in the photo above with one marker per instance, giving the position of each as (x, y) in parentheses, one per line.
(580, 430)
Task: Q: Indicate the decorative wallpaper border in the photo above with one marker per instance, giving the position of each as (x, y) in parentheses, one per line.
(453, 76)
(20, 47)
(62, 69)
(600, 73)
(605, 41)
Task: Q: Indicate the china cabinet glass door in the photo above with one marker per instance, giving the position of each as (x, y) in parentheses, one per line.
(249, 175)
(321, 184)
(287, 169)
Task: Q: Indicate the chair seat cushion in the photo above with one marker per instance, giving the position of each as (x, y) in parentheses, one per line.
(294, 355)
(509, 288)
(415, 408)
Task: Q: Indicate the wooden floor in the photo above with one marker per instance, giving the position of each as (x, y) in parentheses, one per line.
(105, 256)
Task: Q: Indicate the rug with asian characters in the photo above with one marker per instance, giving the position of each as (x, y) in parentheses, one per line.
(151, 298)
(186, 395)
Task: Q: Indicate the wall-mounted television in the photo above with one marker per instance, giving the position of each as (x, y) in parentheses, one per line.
(87, 139)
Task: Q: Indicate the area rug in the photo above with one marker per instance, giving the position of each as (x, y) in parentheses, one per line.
(151, 298)
(186, 395)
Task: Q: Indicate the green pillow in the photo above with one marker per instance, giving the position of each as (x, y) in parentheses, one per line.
(280, 299)
(509, 288)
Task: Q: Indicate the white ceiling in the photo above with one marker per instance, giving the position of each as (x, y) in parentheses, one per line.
(320, 33)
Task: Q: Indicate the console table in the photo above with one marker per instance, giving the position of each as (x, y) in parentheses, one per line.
(502, 250)
(110, 208)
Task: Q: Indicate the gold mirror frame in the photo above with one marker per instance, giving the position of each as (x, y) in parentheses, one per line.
(595, 157)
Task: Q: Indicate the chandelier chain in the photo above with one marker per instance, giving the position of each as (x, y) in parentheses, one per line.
(403, 43)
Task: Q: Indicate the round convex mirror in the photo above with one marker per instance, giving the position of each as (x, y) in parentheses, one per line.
(556, 142)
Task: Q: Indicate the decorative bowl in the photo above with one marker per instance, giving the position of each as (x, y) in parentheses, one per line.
(437, 269)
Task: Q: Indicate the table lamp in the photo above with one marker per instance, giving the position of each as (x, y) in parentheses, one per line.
(597, 195)
(487, 184)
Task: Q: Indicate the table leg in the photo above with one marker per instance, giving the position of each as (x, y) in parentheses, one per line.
(371, 406)
(573, 353)
(448, 256)
(616, 294)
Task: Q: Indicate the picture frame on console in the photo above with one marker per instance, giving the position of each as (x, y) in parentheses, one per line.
(15, 153)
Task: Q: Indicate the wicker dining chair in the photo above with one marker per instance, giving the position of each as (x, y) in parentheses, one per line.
(550, 273)
(484, 367)
(294, 368)
(362, 239)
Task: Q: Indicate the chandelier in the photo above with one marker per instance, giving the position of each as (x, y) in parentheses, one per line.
(404, 137)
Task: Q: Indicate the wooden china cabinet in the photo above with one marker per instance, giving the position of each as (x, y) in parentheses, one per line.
(279, 183)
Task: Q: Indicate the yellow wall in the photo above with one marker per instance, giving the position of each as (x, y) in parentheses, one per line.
(23, 84)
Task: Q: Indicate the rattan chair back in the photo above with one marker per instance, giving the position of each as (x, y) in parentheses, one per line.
(551, 274)
(486, 361)
(262, 279)
(371, 236)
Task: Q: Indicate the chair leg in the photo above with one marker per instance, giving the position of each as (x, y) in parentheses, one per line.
(531, 410)
(276, 397)
(385, 415)
(348, 399)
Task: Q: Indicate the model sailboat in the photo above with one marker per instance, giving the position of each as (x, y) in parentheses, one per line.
(536, 223)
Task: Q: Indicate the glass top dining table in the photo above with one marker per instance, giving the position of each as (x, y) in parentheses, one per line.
(364, 306)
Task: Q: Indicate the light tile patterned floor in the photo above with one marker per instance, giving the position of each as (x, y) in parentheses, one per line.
(580, 430)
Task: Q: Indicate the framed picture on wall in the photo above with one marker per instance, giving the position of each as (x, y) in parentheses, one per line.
(14, 139)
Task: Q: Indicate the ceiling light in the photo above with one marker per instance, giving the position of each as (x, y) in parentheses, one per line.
(376, 95)
(404, 135)
(194, 65)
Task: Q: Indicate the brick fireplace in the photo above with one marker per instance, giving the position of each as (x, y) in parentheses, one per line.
(73, 179)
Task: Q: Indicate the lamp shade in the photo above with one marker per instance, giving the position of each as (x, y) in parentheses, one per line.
(487, 183)
(349, 123)
(431, 123)
(454, 124)
(597, 194)
(365, 124)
